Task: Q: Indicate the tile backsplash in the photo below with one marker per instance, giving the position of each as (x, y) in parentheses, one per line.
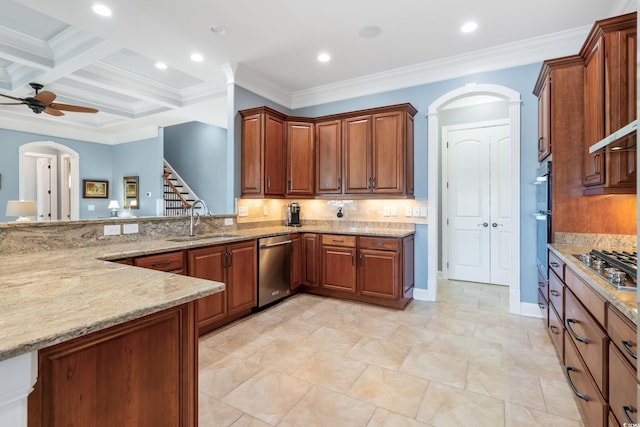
(412, 211)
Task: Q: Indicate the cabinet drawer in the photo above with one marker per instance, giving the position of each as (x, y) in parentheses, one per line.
(556, 294)
(592, 404)
(556, 332)
(339, 240)
(623, 334)
(543, 286)
(556, 265)
(172, 261)
(589, 338)
(544, 307)
(386, 243)
(623, 394)
(594, 303)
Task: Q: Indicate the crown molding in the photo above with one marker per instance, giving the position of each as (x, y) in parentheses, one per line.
(254, 82)
(508, 55)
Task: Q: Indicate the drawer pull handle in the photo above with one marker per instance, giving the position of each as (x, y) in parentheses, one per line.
(554, 293)
(378, 243)
(158, 264)
(627, 347)
(628, 409)
(337, 241)
(573, 388)
(541, 305)
(554, 329)
(554, 264)
(541, 285)
(573, 333)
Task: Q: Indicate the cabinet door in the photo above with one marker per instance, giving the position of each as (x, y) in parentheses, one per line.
(251, 175)
(209, 263)
(329, 157)
(408, 265)
(310, 259)
(357, 154)
(339, 268)
(379, 274)
(242, 276)
(170, 262)
(388, 153)
(274, 156)
(544, 120)
(296, 261)
(623, 388)
(594, 114)
(300, 145)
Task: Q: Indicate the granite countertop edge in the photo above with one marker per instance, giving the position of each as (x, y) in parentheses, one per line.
(624, 301)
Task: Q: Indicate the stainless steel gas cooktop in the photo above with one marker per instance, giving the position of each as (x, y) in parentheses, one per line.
(618, 268)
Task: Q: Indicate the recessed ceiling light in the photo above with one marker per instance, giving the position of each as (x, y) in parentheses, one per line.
(101, 10)
(218, 30)
(196, 57)
(370, 32)
(161, 66)
(324, 57)
(469, 27)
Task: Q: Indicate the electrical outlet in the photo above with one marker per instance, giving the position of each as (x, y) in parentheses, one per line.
(416, 211)
(423, 211)
(265, 210)
(228, 221)
(393, 211)
(385, 212)
(129, 228)
(91, 207)
(408, 211)
(243, 211)
(111, 230)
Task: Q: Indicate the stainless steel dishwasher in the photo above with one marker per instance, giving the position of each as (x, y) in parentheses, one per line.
(274, 269)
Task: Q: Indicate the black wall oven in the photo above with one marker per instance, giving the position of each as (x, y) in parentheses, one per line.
(543, 217)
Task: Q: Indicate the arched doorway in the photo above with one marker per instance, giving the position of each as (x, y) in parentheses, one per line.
(65, 177)
(434, 137)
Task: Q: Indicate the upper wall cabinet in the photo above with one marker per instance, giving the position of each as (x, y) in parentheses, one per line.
(263, 153)
(610, 103)
(362, 152)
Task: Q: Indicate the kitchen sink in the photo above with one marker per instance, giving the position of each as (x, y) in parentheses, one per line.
(201, 237)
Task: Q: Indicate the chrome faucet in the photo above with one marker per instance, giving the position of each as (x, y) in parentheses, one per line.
(193, 207)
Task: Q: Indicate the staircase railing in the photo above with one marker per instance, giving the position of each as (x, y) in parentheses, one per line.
(176, 193)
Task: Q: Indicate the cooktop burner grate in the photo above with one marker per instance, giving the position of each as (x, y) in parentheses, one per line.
(618, 268)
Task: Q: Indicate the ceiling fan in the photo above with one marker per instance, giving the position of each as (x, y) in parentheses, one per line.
(43, 102)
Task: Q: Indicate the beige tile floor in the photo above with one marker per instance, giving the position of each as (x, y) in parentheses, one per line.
(313, 361)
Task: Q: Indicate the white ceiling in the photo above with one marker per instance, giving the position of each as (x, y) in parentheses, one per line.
(108, 63)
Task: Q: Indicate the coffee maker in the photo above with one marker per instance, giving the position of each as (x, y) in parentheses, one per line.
(293, 215)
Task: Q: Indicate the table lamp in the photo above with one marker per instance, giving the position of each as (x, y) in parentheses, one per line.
(23, 209)
(114, 206)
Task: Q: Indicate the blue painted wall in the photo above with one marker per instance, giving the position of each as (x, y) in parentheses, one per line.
(144, 160)
(198, 153)
(520, 79)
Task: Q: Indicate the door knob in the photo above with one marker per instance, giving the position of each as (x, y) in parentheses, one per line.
(495, 224)
(484, 224)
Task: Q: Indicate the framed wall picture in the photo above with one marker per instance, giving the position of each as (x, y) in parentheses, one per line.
(95, 189)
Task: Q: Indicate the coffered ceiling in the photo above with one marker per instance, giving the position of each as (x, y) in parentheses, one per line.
(269, 47)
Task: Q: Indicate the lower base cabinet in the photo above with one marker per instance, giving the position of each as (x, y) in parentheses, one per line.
(236, 266)
(623, 388)
(141, 373)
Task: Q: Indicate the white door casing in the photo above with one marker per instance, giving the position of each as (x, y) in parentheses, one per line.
(513, 99)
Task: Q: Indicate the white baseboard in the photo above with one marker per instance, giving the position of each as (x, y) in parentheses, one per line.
(530, 310)
(420, 294)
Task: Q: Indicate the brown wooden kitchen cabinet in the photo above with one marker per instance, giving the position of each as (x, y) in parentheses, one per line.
(300, 158)
(142, 372)
(263, 164)
(310, 243)
(379, 263)
(544, 117)
(610, 103)
(357, 155)
(236, 266)
(169, 262)
(328, 157)
(296, 261)
(338, 263)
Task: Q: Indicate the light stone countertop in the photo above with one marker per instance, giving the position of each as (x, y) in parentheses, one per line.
(53, 296)
(625, 301)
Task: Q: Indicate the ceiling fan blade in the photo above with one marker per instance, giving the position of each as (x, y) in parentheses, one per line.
(11, 103)
(53, 111)
(76, 108)
(45, 97)
(12, 97)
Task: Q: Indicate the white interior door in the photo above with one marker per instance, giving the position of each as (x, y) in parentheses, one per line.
(478, 204)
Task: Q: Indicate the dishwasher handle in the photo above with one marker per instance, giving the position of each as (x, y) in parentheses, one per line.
(272, 245)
